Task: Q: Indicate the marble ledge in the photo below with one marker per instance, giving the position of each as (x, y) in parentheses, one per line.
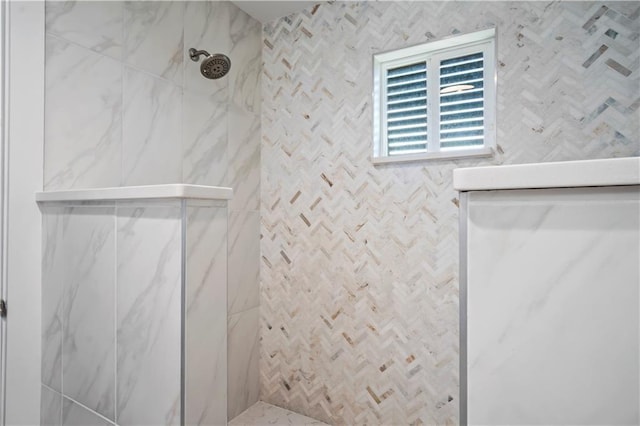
(565, 174)
(169, 191)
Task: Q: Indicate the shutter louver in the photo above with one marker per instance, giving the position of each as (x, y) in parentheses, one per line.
(406, 106)
(462, 102)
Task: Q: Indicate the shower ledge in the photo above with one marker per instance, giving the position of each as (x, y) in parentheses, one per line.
(564, 174)
(168, 191)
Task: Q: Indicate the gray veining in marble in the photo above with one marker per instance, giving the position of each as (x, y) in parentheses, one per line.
(246, 54)
(206, 317)
(50, 407)
(83, 108)
(153, 38)
(148, 315)
(243, 356)
(88, 357)
(96, 25)
(262, 413)
(244, 261)
(244, 159)
(204, 141)
(76, 415)
(53, 270)
(151, 152)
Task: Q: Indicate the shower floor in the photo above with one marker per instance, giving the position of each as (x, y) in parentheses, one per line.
(262, 413)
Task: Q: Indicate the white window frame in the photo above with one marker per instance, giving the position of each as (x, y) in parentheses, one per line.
(433, 53)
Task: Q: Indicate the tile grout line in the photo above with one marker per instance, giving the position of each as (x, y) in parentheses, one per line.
(115, 315)
(87, 408)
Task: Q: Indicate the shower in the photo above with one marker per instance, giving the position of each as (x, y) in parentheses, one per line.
(214, 66)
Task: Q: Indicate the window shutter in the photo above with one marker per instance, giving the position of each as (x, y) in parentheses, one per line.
(462, 101)
(406, 106)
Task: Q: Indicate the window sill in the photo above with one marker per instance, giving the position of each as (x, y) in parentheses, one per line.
(431, 156)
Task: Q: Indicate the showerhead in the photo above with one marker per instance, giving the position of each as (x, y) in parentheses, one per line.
(214, 66)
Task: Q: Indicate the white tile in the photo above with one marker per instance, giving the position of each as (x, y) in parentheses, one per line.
(53, 269)
(553, 304)
(244, 159)
(83, 106)
(246, 61)
(243, 358)
(204, 141)
(206, 318)
(76, 415)
(50, 407)
(262, 413)
(88, 354)
(151, 151)
(207, 26)
(244, 261)
(96, 25)
(148, 315)
(153, 37)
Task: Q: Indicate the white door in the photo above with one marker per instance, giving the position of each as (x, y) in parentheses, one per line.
(21, 171)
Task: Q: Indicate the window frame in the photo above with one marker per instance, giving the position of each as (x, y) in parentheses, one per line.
(432, 53)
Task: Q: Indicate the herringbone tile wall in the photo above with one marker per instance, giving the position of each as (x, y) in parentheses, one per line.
(359, 273)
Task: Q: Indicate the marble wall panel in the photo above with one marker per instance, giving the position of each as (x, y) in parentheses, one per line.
(148, 315)
(244, 261)
(153, 37)
(243, 361)
(50, 407)
(83, 109)
(151, 133)
(76, 415)
(204, 141)
(96, 25)
(244, 159)
(88, 351)
(205, 316)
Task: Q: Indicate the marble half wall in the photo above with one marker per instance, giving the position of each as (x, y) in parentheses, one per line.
(135, 324)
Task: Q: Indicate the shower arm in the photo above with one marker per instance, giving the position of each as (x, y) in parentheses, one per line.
(195, 54)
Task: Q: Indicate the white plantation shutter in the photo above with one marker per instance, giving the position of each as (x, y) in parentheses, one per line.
(407, 109)
(436, 100)
(462, 111)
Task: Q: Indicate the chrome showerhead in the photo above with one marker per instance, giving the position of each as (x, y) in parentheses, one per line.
(214, 66)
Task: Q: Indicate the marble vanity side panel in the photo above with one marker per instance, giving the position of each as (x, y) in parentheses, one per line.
(553, 304)
(96, 25)
(76, 415)
(151, 151)
(148, 314)
(88, 346)
(153, 37)
(243, 355)
(53, 267)
(244, 159)
(204, 141)
(207, 27)
(246, 59)
(206, 317)
(50, 407)
(244, 261)
(83, 125)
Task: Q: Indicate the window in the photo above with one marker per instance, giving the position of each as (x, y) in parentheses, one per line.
(435, 100)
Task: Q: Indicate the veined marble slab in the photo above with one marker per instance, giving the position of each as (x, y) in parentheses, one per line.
(200, 192)
(561, 174)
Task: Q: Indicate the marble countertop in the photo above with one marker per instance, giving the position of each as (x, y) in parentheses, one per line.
(181, 191)
(566, 174)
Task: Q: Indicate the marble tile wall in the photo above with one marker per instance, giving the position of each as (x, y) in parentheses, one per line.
(359, 264)
(125, 105)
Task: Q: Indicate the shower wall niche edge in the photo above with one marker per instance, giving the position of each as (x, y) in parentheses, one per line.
(134, 305)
